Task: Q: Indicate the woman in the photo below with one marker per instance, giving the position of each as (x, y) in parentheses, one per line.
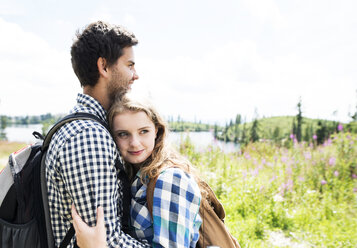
(140, 134)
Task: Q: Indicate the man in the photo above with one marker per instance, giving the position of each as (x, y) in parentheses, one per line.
(82, 160)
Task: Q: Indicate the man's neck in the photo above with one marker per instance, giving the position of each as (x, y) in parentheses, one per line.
(99, 93)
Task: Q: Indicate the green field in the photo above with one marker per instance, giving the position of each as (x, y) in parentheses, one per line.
(301, 196)
(6, 148)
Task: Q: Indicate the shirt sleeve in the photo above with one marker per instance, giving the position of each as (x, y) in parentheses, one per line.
(90, 177)
(176, 205)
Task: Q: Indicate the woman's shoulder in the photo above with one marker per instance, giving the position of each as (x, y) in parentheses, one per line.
(175, 172)
(177, 180)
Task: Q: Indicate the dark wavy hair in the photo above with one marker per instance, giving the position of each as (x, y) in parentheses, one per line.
(98, 39)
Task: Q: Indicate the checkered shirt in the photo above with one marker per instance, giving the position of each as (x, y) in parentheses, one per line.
(176, 203)
(80, 168)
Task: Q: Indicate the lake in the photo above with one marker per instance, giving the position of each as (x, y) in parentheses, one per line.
(201, 140)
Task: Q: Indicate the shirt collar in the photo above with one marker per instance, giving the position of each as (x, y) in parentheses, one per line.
(88, 102)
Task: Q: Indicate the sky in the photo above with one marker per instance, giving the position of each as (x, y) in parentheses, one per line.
(201, 60)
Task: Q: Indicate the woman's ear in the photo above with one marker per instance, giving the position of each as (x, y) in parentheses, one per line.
(102, 67)
(156, 130)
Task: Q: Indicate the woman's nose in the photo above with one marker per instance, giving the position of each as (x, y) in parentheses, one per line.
(134, 141)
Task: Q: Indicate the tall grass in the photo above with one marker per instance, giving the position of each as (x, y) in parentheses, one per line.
(6, 148)
(306, 192)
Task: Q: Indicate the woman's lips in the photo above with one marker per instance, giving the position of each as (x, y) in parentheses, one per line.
(135, 153)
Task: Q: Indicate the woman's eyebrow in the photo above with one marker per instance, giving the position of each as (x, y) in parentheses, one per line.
(146, 127)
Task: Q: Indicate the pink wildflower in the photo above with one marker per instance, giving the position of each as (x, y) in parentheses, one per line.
(292, 136)
(302, 179)
(307, 155)
(354, 176)
(340, 127)
(314, 137)
(255, 172)
(284, 159)
(290, 185)
(336, 173)
(332, 161)
(323, 182)
(255, 162)
(273, 179)
(261, 188)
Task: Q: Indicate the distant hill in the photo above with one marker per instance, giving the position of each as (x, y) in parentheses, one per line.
(281, 127)
(184, 126)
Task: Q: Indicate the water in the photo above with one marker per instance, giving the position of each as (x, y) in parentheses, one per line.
(201, 140)
(22, 133)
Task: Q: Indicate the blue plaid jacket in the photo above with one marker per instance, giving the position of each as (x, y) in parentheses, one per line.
(176, 203)
(80, 168)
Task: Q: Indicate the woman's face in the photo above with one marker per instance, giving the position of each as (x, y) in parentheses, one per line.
(134, 134)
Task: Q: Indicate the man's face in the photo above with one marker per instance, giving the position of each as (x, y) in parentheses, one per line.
(123, 74)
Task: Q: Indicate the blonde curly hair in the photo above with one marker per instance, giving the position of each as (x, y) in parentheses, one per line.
(163, 154)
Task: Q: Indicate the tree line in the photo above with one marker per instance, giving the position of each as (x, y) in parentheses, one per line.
(278, 129)
(46, 120)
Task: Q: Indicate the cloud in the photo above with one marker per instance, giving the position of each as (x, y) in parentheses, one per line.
(36, 78)
(273, 53)
(265, 11)
(11, 9)
(237, 79)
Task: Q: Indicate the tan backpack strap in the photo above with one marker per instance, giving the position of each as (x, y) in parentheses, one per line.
(150, 190)
(150, 193)
(213, 202)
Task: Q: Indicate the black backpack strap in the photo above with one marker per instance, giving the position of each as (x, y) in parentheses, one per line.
(71, 117)
(68, 237)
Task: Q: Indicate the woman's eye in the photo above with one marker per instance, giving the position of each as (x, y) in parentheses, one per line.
(122, 135)
(144, 131)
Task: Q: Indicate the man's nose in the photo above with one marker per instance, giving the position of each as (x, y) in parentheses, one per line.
(135, 75)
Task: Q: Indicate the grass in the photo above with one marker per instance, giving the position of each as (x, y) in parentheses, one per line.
(303, 193)
(306, 192)
(6, 148)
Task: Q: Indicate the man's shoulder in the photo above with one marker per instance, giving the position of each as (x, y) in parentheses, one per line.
(79, 134)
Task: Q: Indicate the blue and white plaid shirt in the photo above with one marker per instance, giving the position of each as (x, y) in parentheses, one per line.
(176, 204)
(80, 168)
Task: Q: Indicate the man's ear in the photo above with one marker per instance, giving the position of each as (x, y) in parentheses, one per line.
(102, 67)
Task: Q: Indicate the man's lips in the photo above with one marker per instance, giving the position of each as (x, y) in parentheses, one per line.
(135, 153)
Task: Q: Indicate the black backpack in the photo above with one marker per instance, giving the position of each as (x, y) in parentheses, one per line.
(24, 213)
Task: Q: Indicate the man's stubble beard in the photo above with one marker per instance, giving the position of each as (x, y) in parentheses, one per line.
(117, 87)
